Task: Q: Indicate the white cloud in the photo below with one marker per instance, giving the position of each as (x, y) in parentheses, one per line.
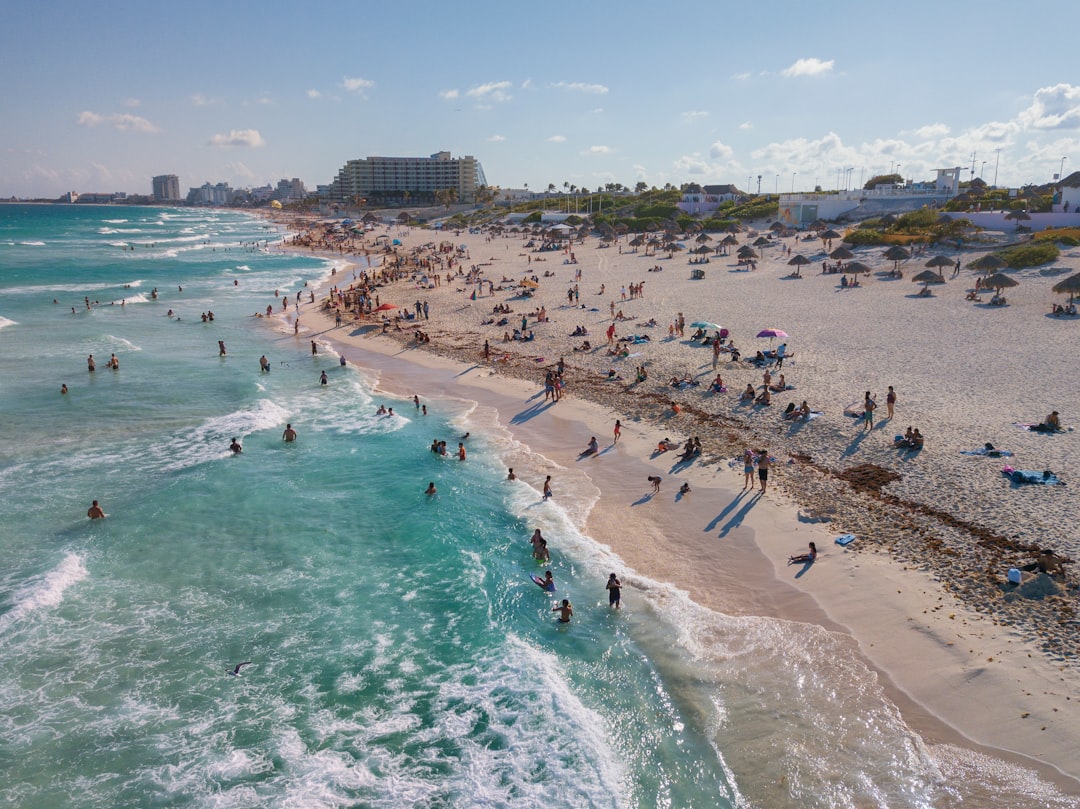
(120, 121)
(580, 87)
(494, 90)
(1056, 107)
(496, 139)
(238, 137)
(593, 150)
(527, 84)
(131, 102)
(742, 76)
(721, 151)
(557, 139)
(448, 94)
(597, 110)
(931, 131)
(746, 125)
(313, 93)
(200, 100)
(810, 66)
(694, 115)
(357, 85)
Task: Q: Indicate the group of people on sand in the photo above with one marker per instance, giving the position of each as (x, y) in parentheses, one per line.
(911, 439)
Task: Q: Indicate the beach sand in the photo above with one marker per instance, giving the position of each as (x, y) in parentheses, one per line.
(921, 591)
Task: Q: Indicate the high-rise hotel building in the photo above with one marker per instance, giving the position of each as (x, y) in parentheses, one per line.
(167, 188)
(387, 179)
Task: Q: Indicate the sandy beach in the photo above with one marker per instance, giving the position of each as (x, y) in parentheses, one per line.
(922, 591)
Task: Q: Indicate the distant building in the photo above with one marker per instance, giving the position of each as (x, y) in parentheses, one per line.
(166, 188)
(207, 194)
(708, 199)
(1068, 194)
(859, 203)
(406, 180)
(98, 198)
(289, 190)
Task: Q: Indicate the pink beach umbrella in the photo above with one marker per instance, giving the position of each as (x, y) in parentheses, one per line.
(772, 334)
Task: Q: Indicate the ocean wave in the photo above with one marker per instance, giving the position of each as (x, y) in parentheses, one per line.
(116, 221)
(47, 591)
(32, 244)
(4, 322)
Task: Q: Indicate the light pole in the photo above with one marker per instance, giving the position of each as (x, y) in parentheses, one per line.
(1061, 168)
(997, 157)
(793, 181)
(982, 168)
(898, 172)
(776, 190)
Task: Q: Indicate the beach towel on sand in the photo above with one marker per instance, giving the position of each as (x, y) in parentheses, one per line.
(989, 453)
(1046, 478)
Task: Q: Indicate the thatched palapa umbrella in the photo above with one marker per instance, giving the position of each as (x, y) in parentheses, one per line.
(896, 254)
(829, 234)
(999, 281)
(841, 253)
(857, 267)
(1070, 285)
(1019, 216)
(928, 277)
(797, 261)
(761, 241)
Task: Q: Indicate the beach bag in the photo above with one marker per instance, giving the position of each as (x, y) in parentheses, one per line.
(1015, 575)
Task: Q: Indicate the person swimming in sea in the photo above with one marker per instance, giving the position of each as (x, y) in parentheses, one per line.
(565, 611)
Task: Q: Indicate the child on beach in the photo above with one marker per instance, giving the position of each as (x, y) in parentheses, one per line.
(748, 469)
(565, 611)
(810, 556)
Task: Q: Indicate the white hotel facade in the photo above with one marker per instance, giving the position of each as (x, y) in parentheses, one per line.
(389, 179)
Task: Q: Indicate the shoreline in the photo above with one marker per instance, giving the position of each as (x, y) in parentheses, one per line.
(935, 656)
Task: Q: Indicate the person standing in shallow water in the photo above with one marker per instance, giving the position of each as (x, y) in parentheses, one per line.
(289, 435)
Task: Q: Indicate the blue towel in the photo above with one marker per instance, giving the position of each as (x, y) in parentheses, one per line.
(1029, 476)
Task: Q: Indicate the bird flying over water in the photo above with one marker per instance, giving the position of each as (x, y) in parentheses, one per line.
(236, 671)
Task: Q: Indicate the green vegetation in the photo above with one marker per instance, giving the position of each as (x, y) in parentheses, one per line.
(758, 208)
(1070, 237)
(865, 237)
(881, 179)
(1029, 255)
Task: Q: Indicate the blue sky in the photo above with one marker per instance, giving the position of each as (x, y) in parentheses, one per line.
(102, 96)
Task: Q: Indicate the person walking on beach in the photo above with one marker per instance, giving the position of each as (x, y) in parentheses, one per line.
(289, 435)
(618, 431)
(715, 352)
(763, 464)
(614, 591)
(314, 348)
(547, 488)
(890, 402)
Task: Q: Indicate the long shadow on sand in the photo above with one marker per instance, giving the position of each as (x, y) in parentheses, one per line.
(805, 567)
(853, 447)
(645, 498)
(741, 508)
(531, 412)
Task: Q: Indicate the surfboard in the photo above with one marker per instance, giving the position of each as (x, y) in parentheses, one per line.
(542, 583)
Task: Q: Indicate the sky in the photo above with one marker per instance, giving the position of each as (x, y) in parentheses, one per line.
(100, 97)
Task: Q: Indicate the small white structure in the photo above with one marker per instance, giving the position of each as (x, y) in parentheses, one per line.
(802, 209)
(1068, 194)
(708, 199)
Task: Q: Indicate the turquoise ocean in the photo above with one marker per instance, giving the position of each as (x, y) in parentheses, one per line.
(400, 656)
